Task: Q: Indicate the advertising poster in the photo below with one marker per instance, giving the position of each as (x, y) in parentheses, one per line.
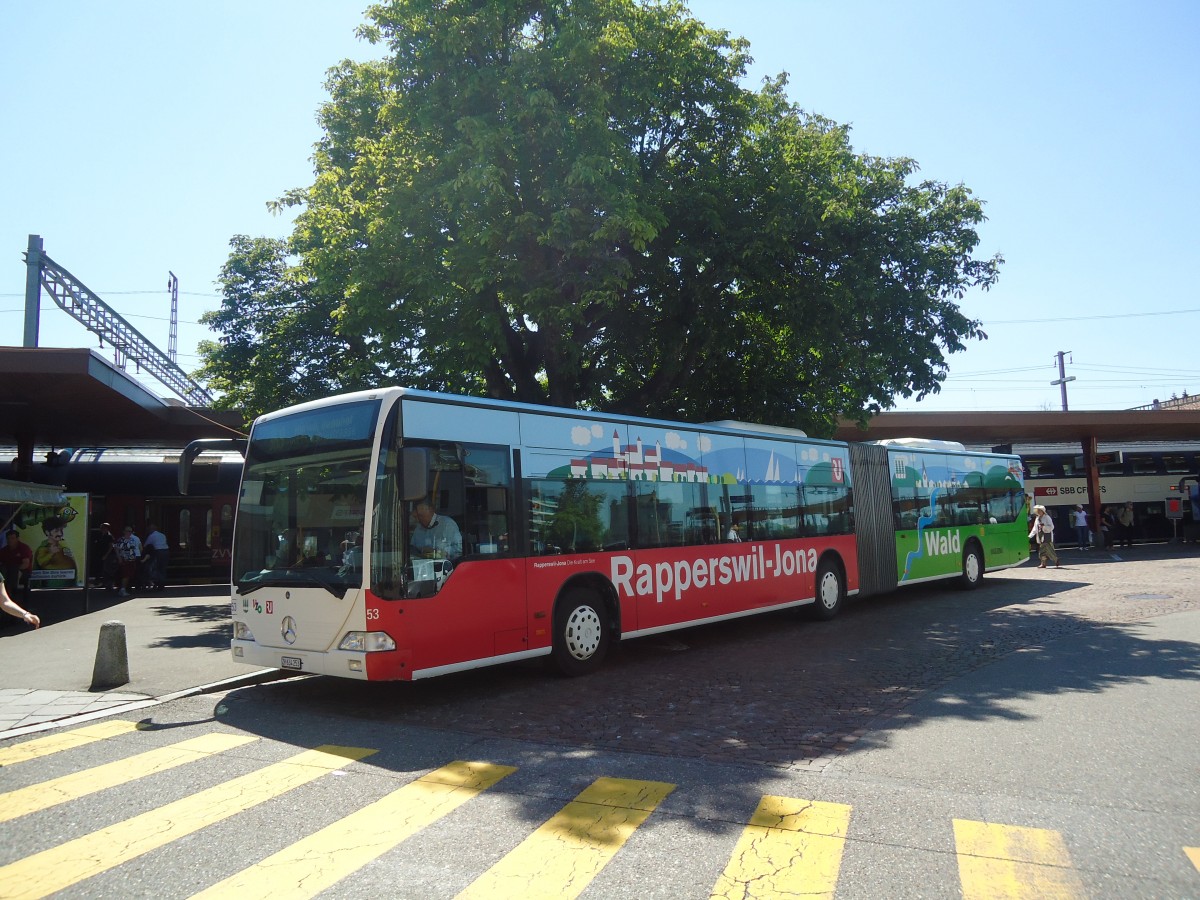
(58, 536)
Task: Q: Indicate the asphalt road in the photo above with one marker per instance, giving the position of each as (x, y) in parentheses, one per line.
(1039, 733)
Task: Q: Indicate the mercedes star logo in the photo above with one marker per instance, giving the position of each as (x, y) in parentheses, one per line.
(288, 629)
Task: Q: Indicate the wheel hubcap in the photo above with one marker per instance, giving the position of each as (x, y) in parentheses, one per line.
(583, 632)
(829, 590)
(972, 567)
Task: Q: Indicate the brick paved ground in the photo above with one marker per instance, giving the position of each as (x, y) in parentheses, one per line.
(784, 691)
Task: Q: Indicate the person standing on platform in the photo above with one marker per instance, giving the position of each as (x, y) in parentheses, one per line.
(16, 561)
(129, 551)
(1125, 524)
(110, 566)
(1043, 533)
(1108, 527)
(1079, 519)
(154, 575)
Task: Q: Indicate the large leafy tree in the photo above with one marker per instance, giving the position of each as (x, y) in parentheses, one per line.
(577, 202)
(278, 345)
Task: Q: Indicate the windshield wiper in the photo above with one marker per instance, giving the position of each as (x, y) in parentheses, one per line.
(311, 575)
(286, 577)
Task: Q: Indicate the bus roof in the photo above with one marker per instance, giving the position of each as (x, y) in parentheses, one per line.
(729, 426)
(922, 444)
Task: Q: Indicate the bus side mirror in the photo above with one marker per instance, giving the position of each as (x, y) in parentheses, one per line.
(414, 464)
(195, 448)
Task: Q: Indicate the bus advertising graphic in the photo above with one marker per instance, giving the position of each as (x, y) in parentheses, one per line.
(946, 500)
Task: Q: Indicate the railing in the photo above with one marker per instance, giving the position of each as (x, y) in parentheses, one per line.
(1184, 402)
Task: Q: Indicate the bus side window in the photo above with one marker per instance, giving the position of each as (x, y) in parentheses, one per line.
(663, 512)
(575, 515)
(487, 506)
(826, 509)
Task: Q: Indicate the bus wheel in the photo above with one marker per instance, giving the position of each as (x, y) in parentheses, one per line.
(581, 634)
(972, 567)
(830, 590)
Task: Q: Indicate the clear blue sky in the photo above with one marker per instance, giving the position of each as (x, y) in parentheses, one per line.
(140, 136)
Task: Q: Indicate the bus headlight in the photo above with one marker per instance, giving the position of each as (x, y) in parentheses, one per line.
(241, 632)
(367, 641)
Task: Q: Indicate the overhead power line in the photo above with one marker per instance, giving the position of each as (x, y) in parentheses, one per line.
(131, 293)
(1135, 315)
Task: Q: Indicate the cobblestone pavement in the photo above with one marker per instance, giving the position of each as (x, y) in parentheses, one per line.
(784, 691)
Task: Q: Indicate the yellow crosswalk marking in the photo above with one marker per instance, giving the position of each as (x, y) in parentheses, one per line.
(72, 862)
(88, 781)
(63, 740)
(1193, 853)
(1005, 862)
(562, 857)
(790, 848)
(321, 860)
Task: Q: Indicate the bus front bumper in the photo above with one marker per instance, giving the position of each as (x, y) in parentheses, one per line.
(341, 663)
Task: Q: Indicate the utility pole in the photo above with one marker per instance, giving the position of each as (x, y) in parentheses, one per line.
(173, 340)
(1062, 377)
(33, 290)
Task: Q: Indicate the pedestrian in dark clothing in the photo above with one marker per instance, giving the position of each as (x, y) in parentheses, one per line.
(1125, 524)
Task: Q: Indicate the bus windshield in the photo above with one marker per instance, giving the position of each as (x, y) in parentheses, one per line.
(304, 496)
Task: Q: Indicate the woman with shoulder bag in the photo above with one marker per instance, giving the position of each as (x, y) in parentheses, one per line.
(1043, 532)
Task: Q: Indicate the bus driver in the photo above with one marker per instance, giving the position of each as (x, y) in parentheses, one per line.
(435, 536)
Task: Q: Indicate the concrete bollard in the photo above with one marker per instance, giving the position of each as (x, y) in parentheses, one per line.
(112, 658)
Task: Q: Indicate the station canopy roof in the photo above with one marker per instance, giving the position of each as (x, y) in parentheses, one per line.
(74, 397)
(1008, 427)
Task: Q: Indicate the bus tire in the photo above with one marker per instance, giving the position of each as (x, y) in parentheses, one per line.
(972, 567)
(830, 590)
(581, 633)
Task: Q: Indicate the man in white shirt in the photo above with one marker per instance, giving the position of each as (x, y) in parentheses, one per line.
(435, 536)
(155, 559)
(1079, 519)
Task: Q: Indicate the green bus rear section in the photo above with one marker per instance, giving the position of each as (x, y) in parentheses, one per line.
(943, 502)
(942, 549)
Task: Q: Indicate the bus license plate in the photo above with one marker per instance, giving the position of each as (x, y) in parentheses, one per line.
(291, 662)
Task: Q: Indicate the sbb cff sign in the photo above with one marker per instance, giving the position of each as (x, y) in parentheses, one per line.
(1077, 493)
(1175, 507)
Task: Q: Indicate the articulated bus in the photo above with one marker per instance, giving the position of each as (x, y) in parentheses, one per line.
(400, 534)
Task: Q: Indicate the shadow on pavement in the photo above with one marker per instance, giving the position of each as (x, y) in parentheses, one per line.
(776, 690)
(215, 636)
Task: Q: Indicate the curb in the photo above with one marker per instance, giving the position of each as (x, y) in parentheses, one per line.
(264, 676)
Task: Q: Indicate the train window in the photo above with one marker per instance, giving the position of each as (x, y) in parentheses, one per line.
(1142, 465)
(185, 527)
(1177, 463)
(1042, 467)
